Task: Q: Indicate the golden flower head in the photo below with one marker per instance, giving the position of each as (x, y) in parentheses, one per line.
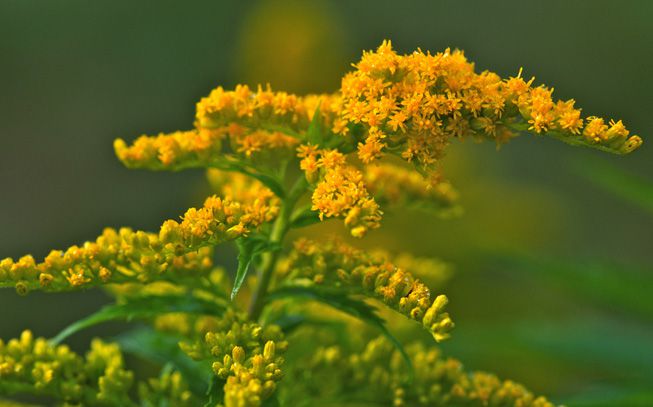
(417, 103)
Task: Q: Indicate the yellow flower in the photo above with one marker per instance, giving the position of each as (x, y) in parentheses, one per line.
(372, 148)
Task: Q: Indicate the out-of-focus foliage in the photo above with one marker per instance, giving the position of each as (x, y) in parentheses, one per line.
(552, 270)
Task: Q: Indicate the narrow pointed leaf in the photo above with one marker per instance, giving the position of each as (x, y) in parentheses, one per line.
(267, 180)
(305, 217)
(142, 308)
(161, 348)
(215, 392)
(315, 131)
(247, 249)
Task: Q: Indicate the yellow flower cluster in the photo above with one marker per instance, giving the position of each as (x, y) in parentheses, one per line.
(378, 375)
(393, 185)
(253, 122)
(179, 249)
(114, 257)
(248, 144)
(263, 109)
(219, 220)
(417, 103)
(33, 366)
(176, 150)
(413, 105)
(246, 355)
(336, 263)
(199, 147)
(340, 190)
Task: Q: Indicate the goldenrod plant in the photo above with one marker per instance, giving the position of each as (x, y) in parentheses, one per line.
(307, 326)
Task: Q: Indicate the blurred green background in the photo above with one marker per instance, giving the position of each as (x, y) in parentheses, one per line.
(553, 257)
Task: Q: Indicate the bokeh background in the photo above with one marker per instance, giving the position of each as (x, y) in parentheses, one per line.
(553, 282)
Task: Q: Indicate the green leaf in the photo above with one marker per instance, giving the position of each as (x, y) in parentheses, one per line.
(163, 349)
(247, 249)
(635, 189)
(144, 307)
(304, 217)
(315, 131)
(273, 401)
(231, 163)
(352, 306)
(262, 243)
(215, 392)
(289, 323)
(267, 180)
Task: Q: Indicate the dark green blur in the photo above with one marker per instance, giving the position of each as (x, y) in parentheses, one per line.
(554, 255)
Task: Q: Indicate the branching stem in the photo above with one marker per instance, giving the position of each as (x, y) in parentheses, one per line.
(269, 259)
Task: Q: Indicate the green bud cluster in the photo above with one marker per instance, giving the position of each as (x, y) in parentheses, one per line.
(378, 375)
(33, 366)
(338, 264)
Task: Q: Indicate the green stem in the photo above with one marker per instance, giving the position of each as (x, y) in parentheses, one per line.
(269, 260)
(571, 139)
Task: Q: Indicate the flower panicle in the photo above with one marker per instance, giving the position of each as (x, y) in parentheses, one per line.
(338, 264)
(411, 105)
(32, 365)
(116, 256)
(417, 103)
(219, 220)
(340, 191)
(262, 109)
(378, 373)
(177, 150)
(122, 256)
(246, 356)
(251, 145)
(201, 148)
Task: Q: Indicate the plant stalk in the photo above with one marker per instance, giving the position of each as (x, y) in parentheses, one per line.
(269, 259)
